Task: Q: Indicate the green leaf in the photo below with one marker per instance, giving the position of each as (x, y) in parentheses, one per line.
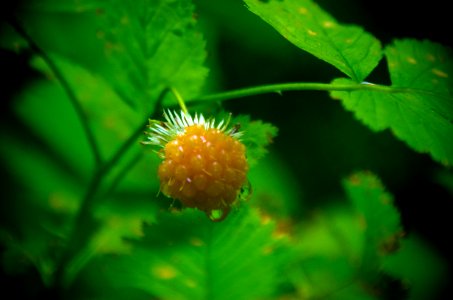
(281, 199)
(118, 220)
(380, 220)
(65, 6)
(38, 215)
(330, 243)
(65, 167)
(425, 277)
(151, 45)
(257, 136)
(187, 256)
(340, 249)
(418, 108)
(110, 119)
(445, 179)
(349, 48)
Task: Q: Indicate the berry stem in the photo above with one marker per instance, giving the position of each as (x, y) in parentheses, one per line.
(180, 100)
(303, 86)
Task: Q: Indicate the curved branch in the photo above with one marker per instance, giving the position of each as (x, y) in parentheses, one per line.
(65, 85)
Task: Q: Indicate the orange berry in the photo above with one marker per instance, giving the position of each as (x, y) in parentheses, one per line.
(203, 177)
(204, 165)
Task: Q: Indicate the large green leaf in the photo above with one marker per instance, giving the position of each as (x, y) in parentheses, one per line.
(418, 107)
(57, 165)
(187, 256)
(151, 45)
(349, 48)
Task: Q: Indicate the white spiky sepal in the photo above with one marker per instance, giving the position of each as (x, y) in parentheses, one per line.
(161, 132)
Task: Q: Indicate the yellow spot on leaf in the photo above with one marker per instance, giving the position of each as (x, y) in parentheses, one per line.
(411, 60)
(439, 73)
(190, 283)
(362, 222)
(328, 24)
(164, 272)
(268, 250)
(124, 20)
(265, 219)
(348, 41)
(430, 57)
(63, 202)
(311, 32)
(196, 242)
(100, 34)
(303, 10)
(385, 200)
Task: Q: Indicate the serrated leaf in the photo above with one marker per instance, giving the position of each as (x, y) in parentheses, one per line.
(152, 45)
(419, 106)
(380, 219)
(187, 256)
(349, 48)
(257, 136)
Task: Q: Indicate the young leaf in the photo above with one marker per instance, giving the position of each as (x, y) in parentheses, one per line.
(380, 219)
(328, 245)
(257, 135)
(152, 45)
(349, 48)
(340, 251)
(419, 106)
(187, 256)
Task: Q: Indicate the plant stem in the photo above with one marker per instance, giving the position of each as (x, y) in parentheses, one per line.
(64, 84)
(180, 100)
(298, 86)
(84, 224)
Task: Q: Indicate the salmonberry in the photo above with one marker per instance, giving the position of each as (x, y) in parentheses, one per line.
(204, 165)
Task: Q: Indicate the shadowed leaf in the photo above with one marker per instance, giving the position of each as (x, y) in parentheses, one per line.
(302, 22)
(421, 114)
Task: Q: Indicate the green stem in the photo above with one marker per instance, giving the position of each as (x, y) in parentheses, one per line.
(84, 222)
(180, 100)
(298, 86)
(64, 84)
(126, 169)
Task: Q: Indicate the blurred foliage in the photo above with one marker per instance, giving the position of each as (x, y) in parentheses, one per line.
(81, 213)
